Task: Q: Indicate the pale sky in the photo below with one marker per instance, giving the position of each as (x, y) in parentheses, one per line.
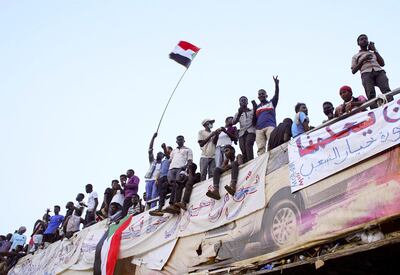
(83, 83)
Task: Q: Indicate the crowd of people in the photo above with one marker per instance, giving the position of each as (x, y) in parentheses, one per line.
(173, 172)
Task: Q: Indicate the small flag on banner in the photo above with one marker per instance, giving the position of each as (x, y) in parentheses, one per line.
(184, 53)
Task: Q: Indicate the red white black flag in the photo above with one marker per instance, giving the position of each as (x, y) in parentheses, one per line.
(184, 53)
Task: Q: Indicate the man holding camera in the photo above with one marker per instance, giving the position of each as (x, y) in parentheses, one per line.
(369, 62)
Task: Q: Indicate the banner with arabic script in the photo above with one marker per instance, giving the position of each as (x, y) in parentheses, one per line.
(328, 150)
(146, 233)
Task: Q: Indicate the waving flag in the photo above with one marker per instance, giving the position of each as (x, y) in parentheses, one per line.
(184, 53)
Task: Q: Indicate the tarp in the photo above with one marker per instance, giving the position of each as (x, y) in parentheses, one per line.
(364, 194)
(76, 253)
(155, 259)
(146, 234)
(319, 154)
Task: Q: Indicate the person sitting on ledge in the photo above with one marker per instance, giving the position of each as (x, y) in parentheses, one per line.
(231, 162)
(176, 193)
(192, 179)
(301, 121)
(328, 109)
(349, 101)
(137, 206)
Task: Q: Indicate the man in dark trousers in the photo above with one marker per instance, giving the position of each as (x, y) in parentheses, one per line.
(247, 130)
(192, 179)
(369, 62)
(51, 232)
(281, 134)
(231, 162)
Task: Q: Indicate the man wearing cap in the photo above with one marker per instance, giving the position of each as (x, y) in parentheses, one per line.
(349, 101)
(266, 116)
(369, 62)
(207, 159)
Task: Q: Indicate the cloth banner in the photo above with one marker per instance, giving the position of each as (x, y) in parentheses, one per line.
(152, 239)
(157, 258)
(146, 233)
(76, 253)
(319, 154)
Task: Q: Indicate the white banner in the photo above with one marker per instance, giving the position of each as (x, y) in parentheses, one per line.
(146, 232)
(333, 148)
(76, 253)
(157, 258)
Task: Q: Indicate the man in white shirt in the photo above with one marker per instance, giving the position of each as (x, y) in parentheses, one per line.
(18, 238)
(224, 136)
(92, 203)
(181, 158)
(207, 146)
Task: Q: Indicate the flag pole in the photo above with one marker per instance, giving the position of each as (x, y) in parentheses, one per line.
(173, 92)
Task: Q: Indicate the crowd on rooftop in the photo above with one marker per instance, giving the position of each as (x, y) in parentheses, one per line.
(173, 172)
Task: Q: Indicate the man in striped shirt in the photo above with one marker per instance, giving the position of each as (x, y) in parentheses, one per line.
(266, 117)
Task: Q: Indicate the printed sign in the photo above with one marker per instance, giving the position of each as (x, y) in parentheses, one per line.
(203, 213)
(326, 151)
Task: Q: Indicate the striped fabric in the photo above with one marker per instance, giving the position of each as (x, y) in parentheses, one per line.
(107, 250)
(184, 53)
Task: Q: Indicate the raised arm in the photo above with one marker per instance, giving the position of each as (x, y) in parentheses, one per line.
(253, 102)
(151, 155)
(276, 95)
(166, 152)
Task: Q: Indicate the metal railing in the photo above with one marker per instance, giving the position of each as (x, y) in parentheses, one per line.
(379, 100)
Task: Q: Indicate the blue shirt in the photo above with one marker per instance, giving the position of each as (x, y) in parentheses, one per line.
(54, 223)
(265, 114)
(298, 129)
(164, 167)
(17, 239)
